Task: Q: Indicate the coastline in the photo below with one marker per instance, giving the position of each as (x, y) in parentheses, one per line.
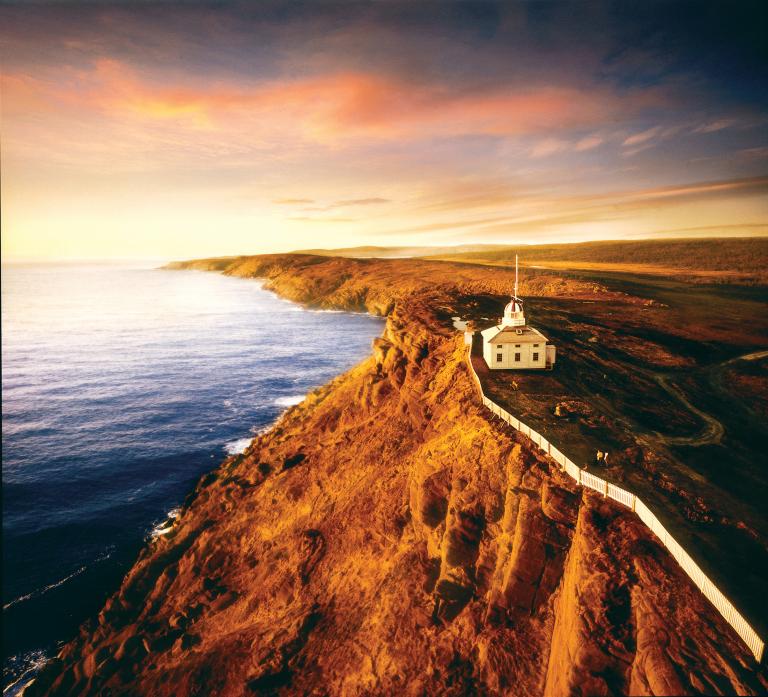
(201, 423)
(435, 515)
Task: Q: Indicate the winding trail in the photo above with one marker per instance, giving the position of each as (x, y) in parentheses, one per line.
(713, 432)
(755, 355)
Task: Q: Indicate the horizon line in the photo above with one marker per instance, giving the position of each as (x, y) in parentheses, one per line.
(12, 260)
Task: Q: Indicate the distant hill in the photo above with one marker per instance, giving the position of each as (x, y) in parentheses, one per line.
(370, 251)
(738, 260)
(742, 260)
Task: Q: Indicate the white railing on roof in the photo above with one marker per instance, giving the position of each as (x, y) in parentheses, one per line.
(630, 500)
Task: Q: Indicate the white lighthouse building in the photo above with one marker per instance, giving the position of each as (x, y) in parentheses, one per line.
(512, 344)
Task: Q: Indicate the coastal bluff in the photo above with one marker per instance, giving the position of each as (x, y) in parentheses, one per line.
(386, 537)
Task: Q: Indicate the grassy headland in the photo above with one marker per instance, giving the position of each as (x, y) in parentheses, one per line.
(732, 260)
(388, 536)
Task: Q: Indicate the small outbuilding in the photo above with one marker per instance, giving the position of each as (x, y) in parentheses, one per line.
(514, 345)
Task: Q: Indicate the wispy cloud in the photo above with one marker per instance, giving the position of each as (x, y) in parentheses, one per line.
(553, 146)
(588, 142)
(631, 152)
(373, 201)
(644, 140)
(549, 146)
(714, 126)
(347, 203)
(760, 153)
(644, 136)
(309, 219)
(536, 211)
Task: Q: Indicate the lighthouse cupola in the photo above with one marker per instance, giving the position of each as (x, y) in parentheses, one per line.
(513, 312)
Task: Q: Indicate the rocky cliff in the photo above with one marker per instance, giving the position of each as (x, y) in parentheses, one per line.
(387, 537)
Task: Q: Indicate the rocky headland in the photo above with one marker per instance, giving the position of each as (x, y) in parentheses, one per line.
(387, 537)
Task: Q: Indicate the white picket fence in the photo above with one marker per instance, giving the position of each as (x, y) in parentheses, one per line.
(630, 500)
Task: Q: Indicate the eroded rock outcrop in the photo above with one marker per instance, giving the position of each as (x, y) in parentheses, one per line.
(387, 537)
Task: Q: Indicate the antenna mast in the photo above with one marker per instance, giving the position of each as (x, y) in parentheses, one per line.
(515, 276)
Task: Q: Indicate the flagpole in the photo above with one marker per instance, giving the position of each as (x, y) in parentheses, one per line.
(515, 275)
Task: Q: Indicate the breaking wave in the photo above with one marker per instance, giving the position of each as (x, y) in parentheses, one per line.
(237, 447)
(164, 527)
(41, 591)
(289, 401)
(24, 667)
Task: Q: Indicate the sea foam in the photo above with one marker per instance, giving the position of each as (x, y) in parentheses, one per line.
(164, 527)
(237, 447)
(289, 401)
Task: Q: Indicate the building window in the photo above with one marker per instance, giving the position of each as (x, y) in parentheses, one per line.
(499, 347)
(535, 346)
(498, 358)
(517, 345)
(535, 356)
(517, 357)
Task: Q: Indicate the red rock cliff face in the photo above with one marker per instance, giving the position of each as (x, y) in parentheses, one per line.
(387, 537)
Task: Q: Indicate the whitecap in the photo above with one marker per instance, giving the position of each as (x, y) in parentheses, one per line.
(289, 401)
(45, 589)
(237, 447)
(20, 599)
(161, 528)
(29, 664)
(105, 554)
(164, 527)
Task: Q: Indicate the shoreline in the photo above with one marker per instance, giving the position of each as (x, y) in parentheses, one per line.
(155, 527)
(386, 510)
(240, 267)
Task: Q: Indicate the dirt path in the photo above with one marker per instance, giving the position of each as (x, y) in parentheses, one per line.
(755, 355)
(713, 431)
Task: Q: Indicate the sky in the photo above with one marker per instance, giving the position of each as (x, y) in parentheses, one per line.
(181, 130)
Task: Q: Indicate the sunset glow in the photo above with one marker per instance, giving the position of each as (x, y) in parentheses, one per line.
(168, 131)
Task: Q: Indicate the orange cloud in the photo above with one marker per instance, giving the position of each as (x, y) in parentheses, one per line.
(388, 108)
(643, 136)
(549, 146)
(588, 142)
(330, 108)
(541, 210)
(746, 185)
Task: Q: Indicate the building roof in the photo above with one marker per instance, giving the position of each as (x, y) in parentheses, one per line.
(512, 335)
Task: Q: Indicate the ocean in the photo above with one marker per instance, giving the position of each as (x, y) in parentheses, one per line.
(121, 385)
